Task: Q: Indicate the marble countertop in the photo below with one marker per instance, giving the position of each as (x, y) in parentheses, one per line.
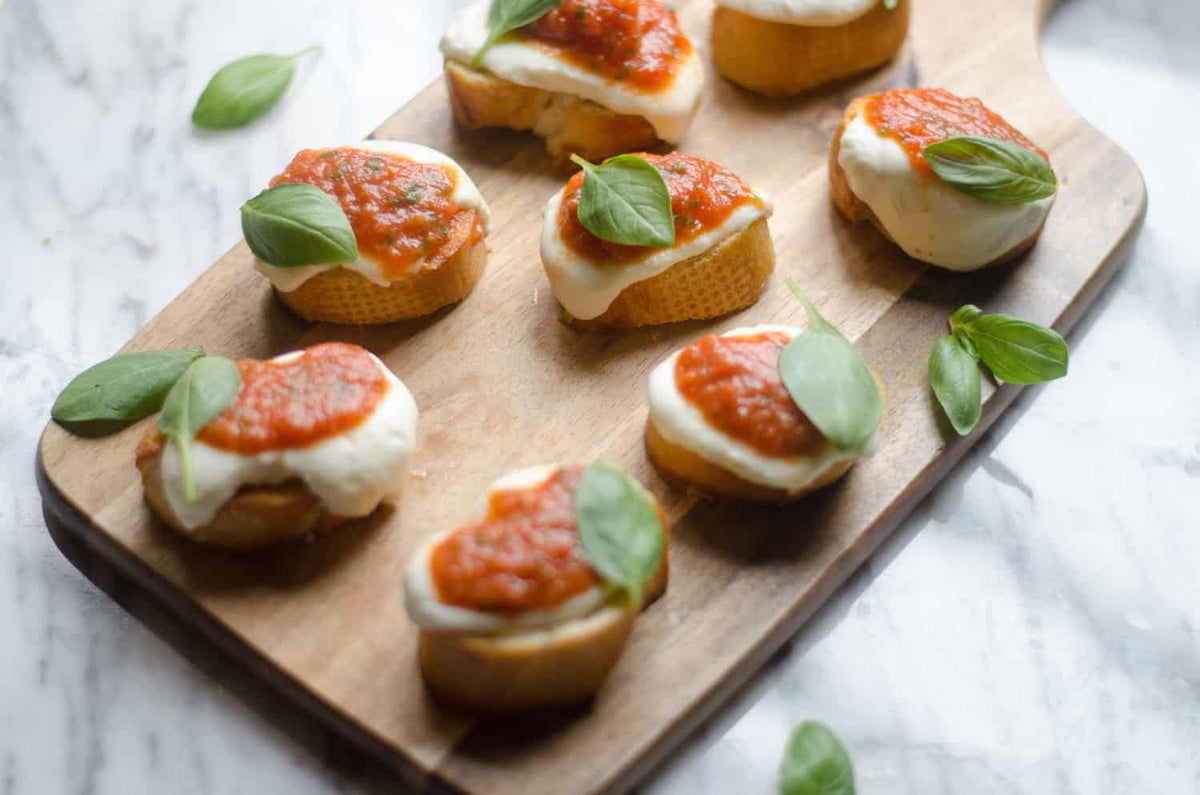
(1032, 627)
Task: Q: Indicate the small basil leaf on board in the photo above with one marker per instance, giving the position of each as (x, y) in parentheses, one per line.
(619, 527)
(1017, 351)
(625, 200)
(830, 381)
(245, 89)
(116, 392)
(815, 763)
(993, 170)
(297, 224)
(959, 322)
(505, 16)
(954, 376)
(204, 390)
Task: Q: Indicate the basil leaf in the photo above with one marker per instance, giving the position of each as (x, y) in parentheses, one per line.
(619, 527)
(120, 390)
(245, 89)
(816, 763)
(297, 224)
(991, 169)
(505, 16)
(626, 201)
(1015, 350)
(954, 376)
(830, 381)
(203, 391)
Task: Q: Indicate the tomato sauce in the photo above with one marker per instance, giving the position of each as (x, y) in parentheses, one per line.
(918, 117)
(703, 196)
(403, 213)
(735, 383)
(329, 389)
(635, 42)
(524, 555)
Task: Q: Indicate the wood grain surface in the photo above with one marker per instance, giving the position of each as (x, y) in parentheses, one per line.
(501, 383)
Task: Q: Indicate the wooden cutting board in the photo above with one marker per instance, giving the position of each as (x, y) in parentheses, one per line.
(501, 383)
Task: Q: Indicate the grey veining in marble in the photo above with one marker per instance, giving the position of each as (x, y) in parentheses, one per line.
(1032, 628)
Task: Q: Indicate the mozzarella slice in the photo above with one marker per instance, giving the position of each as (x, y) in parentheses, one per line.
(350, 473)
(587, 288)
(932, 221)
(682, 424)
(808, 13)
(466, 195)
(669, 110)
(426, 609)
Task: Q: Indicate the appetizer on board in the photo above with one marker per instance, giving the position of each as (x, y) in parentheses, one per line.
(989, 207)
(312, 438)
(516, 611)
(591, 77)
(784, 47)
(714, 257)
(723, 422)
(418, 222)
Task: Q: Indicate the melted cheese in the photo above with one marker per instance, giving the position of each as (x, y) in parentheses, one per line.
(466, 196)
(351, 473)
(808, 13)
(668, 110)
(682, 424)
(587, 288)
(932, 221)
(427, 610)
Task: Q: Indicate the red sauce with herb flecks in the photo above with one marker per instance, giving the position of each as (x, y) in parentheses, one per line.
(736, 384)
(918, 117)
(327, 390)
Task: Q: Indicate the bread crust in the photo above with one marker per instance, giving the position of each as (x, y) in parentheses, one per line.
(569, 124)
(344, 296)
(729, 276)
(683, 467)
(781, 59)
(856, 210)
(255, 517)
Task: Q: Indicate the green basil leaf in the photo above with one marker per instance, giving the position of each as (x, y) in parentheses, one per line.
(1015, 350)
(297, 224)
(954, 376)
(959, 321)
(619, 527)
(204, 390)
(245, 89)
(816, 763)
(505, 16)
(830, 381)
(121, 390)
(991, 169)
(626, 201)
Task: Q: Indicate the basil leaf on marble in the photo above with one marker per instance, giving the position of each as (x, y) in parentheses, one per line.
(830, 381)
(296, 224)
(954, 376)
(625, 200)
(245, 89)
(815, 763)
(619, 527)
(1015, 350)
(992, 170)
(204, 390)
(116, 392)
(505, 16)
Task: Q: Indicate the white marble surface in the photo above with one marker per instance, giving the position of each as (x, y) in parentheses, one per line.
(1032, 628)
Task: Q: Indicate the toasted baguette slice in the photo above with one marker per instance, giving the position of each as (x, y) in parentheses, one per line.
(855, 210)
(729, 276)
(684, 468)
(255, 517)
(780, 59)
(344, 296)
(568, 124)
